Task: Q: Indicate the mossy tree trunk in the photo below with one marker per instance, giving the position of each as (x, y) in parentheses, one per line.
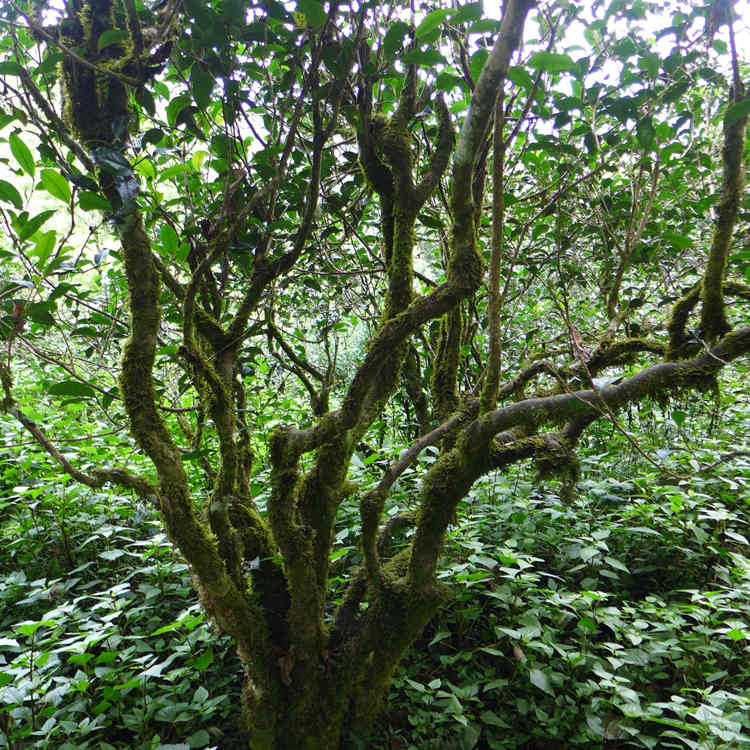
(307, 680)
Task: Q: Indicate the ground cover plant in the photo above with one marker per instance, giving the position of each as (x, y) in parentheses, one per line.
(617, 620)
(568, 626)
(246, 248)
(102, 642)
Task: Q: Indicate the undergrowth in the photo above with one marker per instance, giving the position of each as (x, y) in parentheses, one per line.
(620, 619)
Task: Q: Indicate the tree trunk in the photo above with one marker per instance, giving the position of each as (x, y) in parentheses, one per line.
(309, 717)
(310, 714)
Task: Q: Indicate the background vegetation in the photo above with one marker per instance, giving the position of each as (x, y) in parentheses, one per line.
(619, 619)
(245, 315)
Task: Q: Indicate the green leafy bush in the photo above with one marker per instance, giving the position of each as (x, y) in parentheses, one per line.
(620, 620)
(102, 642)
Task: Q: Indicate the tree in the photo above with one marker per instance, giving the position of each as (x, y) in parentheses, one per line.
(275, 176)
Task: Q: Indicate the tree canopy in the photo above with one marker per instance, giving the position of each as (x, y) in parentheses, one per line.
(260, 235)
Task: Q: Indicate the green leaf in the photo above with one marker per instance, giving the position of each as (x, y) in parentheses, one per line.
(434, 222)
(313, 11)
(484, 26)
(152, 135)
(176, 106)
(645, 132)
(146, 100)
(520, 77)
(439, 637)
(491, 718)
(29, 628)
(202, 84)
(448, 81)
(5, 119)
(540, 680)
(204, 660)
(55, 184)
(736, 537)
(22, 154)
(9, 194)
(593, 34)
(109, 397)
(201, 738)
(89, 201)
(169, 239)
(40, 313)
(680, 241)
(736, 112)
(61, 290)
(432, 21)
(197, 159)
(716, 675)
(71, 388)
(110, 36)
(111, 554)
(551, 62)
(720, 46)
(146, 168)
(174, 170)
(478, 59)
(83, 181)
(616, 564)
(426, 58)
(166, 629)
(394, 38)
(182, 252)
(470, 736)
(32, 225)
(468, 12)
(649, 63)
(84, 658)
(193, 455)
(10, 68)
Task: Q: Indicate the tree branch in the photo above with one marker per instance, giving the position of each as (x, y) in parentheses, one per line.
(714, 321)
(99, 477)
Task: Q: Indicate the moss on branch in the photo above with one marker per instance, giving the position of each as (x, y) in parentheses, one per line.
(651, 381)
(714, 322)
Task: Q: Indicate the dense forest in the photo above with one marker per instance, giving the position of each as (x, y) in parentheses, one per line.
(374, 375)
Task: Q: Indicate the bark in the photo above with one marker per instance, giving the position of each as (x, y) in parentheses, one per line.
(714, 322)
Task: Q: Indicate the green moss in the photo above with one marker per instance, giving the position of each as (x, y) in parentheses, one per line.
(444, 485)
(376, 172)
(556, 458)
(92, 99)
(396, 618)
(400, 269)
(714, 322)
(678, 323)
(624, 351)
(394, 145)
(324, 487)
(445, 367)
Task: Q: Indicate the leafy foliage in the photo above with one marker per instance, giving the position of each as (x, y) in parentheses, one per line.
(246, 249)
(619, 620)
(102, 642)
